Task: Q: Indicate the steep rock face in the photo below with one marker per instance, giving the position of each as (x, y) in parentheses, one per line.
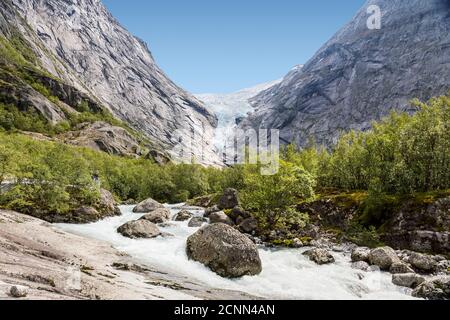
(81, 43)
(361, 74)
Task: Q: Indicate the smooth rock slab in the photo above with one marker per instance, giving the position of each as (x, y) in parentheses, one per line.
(224, 250)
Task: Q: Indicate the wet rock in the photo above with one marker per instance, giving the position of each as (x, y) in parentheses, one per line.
(360, 254)
(248, 225)
(107, 206)
(224, 250)
(220, 217)
(409, 280)
(423, 262)
(400, 267)
(383, 257)
(360, 265)
(157, 216)
(139, 229)
(166, 235)
(147, 206)
(319, 256)
(197, 222)
(18, 291)
(183, 215)
(210, 210)
(435, 289)
(229, 199)
(297, 243)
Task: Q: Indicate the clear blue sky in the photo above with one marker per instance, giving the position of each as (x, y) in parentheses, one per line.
(226, 45)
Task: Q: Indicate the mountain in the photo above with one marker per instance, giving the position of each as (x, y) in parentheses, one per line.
(361, 74)
(79, 45)
(230, 108)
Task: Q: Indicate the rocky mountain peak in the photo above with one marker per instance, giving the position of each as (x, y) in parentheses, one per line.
(361, 74)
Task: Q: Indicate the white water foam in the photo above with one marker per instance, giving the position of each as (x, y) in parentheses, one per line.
(286, 274)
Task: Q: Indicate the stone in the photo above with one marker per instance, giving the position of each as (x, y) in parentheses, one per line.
(229, 199)
(400, 267)
(360, 254)
(157, 216)
(139, 229)
(248, 225)
(220, 217)
(319, 256)
(18, 291)
(224, 250)
(107, 205)
(383, 257)
(197, 222)
(297, 243)
(183, 215)
(147, 206)
(360, 265)
(437, 288)
(423, 262)
(210, 210)
(409, 280)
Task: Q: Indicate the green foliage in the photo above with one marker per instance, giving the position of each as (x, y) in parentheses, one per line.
(401, 154)
(271, 197)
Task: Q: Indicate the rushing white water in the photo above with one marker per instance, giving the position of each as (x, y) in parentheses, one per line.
(287, 274)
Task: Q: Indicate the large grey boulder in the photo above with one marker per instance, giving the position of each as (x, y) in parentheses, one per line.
(319, 256)
(147, 206)
(435, 289)
(160, 215)
(139, 229)
(409, 280)
(224, 250)
(383, 257)
(220, 217)
(423, 262)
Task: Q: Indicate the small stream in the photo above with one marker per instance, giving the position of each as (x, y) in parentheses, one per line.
(287, 274)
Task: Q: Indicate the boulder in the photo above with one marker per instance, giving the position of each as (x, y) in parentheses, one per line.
(319, 256)
(229, 199)
(158, 216)
(139, 229)
(383, 257)
(297, 243)
(224, 250)
(18, 291)
(435, 289)
(239, 212)
(249, 225)
(360, 265)
(210, 210)
(196, 222)
(147, 206)
(400, 267)
(360, 254)
(220, 217)
(183, 215)
(409, 280)
(107, 205)
(86, 214)
(422, 262)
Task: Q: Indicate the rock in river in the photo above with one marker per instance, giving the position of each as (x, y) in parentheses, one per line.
(196, 222)
(147, 206)
(158, 216)
(220, 217)
(409, 280)
(183, 215)
(139, 229)
(423, 262)
(319, 256)
(360, 254)
(383, 257)
(435, 289)
(224, 250)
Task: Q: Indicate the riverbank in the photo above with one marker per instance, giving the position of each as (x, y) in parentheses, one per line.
(49, 263)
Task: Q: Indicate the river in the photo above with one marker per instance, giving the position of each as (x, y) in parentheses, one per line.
(287, 274)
